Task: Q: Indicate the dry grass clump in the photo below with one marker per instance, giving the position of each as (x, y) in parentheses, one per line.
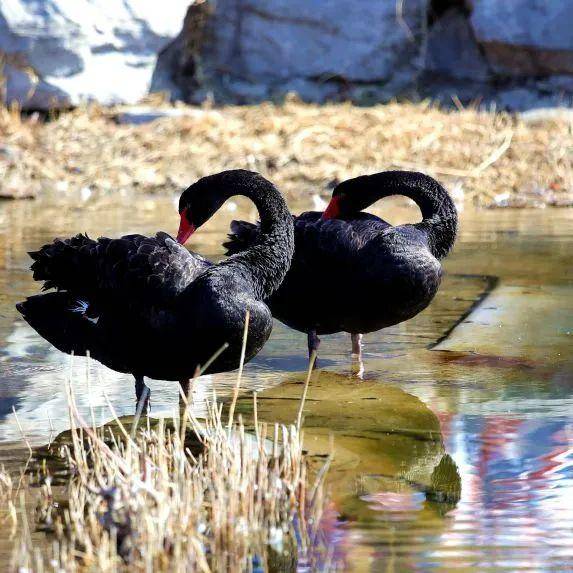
(491, 158)
(141, 501)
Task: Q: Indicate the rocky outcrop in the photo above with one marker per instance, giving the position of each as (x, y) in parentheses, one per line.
(517, 54)
(525, 37)
(258, 49)
(452, 50)
(56, 53)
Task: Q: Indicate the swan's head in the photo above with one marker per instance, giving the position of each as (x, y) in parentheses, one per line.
(338, 205)
(333, 209)
(199, 202)
(352, 196)
(196, 205)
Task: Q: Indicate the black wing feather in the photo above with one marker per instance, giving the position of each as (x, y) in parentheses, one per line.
(133, 269)
(315, 238)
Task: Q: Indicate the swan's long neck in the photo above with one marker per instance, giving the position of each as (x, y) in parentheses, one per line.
(269, 258)
(439, 215)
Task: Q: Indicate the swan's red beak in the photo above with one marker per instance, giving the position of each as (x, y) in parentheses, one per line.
(186, 229)
(332, 211)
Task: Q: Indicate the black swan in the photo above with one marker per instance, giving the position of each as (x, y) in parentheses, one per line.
(353, 271)
(147, 306)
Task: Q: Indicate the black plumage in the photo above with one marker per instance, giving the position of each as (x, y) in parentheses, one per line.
(147, 306)
(355, 272)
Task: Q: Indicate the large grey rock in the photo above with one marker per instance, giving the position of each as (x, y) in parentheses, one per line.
(22, 85)
(452, 50)
(83, 49)
(57, 53)
(141, 114)
(254, 48)
(525, 37)
(528, 98)
(546, 114)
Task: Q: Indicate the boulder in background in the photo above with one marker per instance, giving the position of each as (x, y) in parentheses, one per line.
(57, 53)
(452, 50)
(256, 49)
(525, 37)
(517, 54)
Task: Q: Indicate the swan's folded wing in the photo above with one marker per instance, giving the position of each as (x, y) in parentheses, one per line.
(133, 270)
(333, 242)
(149, 268)
(243, 234)
(316, 240)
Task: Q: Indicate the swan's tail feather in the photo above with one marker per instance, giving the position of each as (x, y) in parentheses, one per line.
(241, 237)
(55, 317)
(64, 263)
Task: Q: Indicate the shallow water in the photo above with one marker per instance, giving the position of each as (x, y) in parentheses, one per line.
(457, 448)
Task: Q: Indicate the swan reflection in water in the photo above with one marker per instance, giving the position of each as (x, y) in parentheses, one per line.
(390, 471)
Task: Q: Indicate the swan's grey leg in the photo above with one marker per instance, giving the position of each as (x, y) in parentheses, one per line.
(358, 364)
(142, 395)
(186, 385)
(357, 345)
(313, 344)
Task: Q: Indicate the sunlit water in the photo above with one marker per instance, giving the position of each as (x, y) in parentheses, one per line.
(456, 451)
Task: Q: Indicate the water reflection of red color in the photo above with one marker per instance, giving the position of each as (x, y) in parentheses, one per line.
(445, 419)
(516, 475)
(556, 460)
(394, 501)
(497, 435)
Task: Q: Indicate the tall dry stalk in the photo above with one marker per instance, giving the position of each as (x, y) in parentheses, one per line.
(144, 502)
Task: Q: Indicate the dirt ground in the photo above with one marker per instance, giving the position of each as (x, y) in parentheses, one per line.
(484, 158)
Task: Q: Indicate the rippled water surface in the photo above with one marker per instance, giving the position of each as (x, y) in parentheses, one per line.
(455, 451)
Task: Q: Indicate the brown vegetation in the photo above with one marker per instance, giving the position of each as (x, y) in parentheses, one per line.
(160, 496)
(488, 158)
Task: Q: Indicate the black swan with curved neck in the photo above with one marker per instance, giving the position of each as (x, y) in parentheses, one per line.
(353, 271)
(147, 306)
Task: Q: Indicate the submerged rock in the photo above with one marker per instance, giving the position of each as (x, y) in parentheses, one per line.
(385, 443)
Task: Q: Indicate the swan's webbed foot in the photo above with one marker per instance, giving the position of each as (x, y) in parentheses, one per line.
(313, 344)
(142, 396)
(357, 362)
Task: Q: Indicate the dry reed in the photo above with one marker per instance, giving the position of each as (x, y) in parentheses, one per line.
(490, 158)
(142, 501)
